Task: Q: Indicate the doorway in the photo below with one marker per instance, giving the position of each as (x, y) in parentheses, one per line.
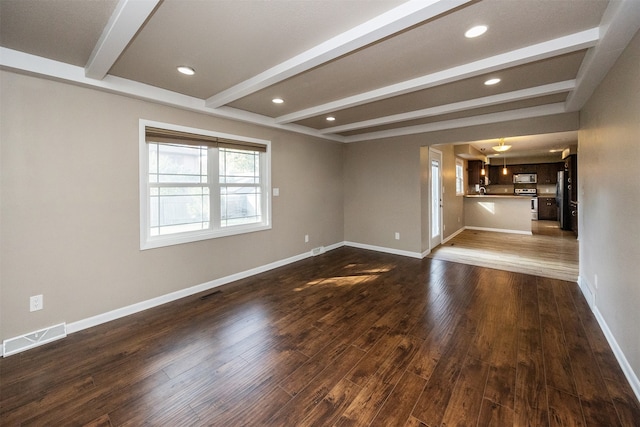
(435, 198)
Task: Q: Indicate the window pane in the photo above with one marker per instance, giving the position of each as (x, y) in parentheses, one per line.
(239, 166)
(178, 209)
(239, 205)
(177, 163)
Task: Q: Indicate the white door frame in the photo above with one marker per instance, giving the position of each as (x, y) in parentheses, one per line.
(435, 240)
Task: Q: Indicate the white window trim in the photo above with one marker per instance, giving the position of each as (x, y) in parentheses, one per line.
(151, 242)
(460, 163)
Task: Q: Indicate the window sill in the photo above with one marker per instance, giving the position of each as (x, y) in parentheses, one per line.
(196, 236)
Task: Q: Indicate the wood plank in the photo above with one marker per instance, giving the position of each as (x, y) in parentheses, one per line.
(397, 409)
(366, 404)
(303, 403)
(494, 415)
(554, 346)
(531, 393)
(564, 409)
(467, 396)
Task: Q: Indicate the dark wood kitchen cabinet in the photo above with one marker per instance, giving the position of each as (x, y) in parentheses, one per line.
(474, 177)
(547, 208)
(548, 172)
(498, 178)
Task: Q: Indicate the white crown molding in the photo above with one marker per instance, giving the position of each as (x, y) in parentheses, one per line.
(537, 52)
(395, 20)
(518, 95)
(124, 23)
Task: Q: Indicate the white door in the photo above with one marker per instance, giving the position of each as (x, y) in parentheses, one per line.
(435, 198)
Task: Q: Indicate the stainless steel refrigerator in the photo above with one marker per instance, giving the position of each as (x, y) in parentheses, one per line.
(562, 200)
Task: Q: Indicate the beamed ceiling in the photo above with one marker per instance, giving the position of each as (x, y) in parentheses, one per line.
(381, 68)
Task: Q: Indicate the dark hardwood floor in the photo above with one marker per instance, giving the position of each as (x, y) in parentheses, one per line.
(351, 337)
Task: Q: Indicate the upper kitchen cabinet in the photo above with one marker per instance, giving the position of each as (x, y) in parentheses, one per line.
(548, 172)
(475, 177)
(496, 177)
(523, 169)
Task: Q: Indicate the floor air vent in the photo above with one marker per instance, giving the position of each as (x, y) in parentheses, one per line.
(34, 339)
(317, 251)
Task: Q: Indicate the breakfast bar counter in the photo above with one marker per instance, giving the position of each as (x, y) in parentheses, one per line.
(509, 213)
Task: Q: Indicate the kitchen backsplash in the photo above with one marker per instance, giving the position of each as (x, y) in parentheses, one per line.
(546, 190)
(543, 189)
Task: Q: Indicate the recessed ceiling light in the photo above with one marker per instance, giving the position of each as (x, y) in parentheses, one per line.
(492, 82)
(277, 100)
(186, 70)
(331, 119)
(476, 31)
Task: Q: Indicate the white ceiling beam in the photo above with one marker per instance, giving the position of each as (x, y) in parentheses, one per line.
(518, 95)
(619, 24)
(26, 63)
(567, 44)
(400, 18)
(504, 116)
(123, 25)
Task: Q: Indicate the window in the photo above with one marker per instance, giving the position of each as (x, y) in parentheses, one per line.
(459, 178)
(197, 185)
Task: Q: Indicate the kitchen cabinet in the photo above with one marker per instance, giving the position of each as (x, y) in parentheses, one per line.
(474, 177)
(498, 178)
(571, 167)
(547, 208)
(548, 172)
(523, 169)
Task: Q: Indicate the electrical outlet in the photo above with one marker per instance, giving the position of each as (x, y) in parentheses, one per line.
(595, 279)
(306, 238)
(397, 236)
(36, 303)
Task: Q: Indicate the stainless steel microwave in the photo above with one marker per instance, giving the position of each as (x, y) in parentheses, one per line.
(525, 178)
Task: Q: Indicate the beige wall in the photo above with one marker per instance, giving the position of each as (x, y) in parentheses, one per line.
(384, 181)
(609, 200)
(69, 205)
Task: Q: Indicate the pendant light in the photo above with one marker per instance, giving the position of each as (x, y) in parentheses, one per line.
(482, 172)
(504, 168)
(501, 147)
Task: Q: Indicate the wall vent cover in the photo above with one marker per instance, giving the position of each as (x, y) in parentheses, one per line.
(33, 339)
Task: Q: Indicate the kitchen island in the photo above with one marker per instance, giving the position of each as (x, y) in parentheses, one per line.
(508, 214)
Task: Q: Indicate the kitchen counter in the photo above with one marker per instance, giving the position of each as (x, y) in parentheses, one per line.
(508, 213)
(499, 196)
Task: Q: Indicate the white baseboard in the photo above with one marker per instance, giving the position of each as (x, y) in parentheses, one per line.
(631, 376)
(454, 234)
(18, 344)
(385, 250)
(499, 230)
(163, 299)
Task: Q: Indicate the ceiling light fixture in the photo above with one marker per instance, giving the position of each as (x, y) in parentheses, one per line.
(504, 167)
(501, 147)
(331, 119)
(277, 100)
(491, 82)
(476, 31)
(186, 70)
